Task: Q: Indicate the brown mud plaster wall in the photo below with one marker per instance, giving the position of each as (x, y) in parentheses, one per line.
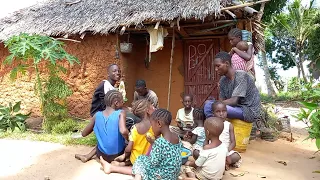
(95, 53)
(157, 75)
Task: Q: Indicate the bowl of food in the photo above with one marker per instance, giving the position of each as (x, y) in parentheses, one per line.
(185, 153)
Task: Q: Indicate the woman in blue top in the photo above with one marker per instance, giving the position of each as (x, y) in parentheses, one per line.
(109, 127)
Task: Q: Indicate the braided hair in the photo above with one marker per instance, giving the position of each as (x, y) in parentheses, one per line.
(198, 114)
(224, 56)
(139, 107)
(111, 96)
(162, 115)
(235, 32)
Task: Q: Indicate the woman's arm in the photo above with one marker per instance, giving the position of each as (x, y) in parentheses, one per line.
(89, 128)
(122, 125)
(245, 55)
(232, 101)
(232, 138)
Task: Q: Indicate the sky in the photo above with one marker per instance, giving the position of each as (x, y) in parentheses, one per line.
(10, 6)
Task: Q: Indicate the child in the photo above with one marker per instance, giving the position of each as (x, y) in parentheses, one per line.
(236, 35)
(227, 136)
(238, 63)
(109, 127)
(210, 164)
(165, 159)
(184, 117)
(138, 143)
(197, 136)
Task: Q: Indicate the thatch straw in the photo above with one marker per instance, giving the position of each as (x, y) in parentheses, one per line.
(59, 17)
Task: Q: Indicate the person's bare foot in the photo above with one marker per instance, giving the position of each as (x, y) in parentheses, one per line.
(115, 163)
(82, 158)
(105, 165)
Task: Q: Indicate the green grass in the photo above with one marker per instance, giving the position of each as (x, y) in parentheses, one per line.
(65, 139)
(282, 96)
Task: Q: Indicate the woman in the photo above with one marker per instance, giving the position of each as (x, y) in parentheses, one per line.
(237, 91)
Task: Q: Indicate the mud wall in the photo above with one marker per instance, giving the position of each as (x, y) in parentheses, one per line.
(95, 54)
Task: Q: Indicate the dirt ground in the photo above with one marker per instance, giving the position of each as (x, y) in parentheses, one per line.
(27, 160)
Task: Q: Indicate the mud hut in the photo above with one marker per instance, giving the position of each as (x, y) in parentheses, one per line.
(98, 31)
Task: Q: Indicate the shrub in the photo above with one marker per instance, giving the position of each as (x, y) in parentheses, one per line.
(68, 125)
(10, 118)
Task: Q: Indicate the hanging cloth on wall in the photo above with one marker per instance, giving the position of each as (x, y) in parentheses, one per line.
(157, 38)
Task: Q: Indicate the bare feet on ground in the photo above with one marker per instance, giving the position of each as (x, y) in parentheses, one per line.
(105, 165)
(82, 158)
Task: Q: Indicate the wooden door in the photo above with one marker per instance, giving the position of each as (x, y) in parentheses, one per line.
(201, 80)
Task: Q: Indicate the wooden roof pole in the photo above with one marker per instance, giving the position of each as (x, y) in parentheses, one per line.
(170, 69)
(243, 5)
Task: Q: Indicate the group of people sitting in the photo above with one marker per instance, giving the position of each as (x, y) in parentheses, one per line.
(151, 148)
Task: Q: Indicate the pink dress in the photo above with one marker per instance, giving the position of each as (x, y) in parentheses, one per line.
(238, 63)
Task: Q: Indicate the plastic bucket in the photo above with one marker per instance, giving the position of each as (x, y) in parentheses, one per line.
(242, 132)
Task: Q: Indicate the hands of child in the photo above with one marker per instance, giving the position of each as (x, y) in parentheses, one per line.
(180, 125)
(188, 163)
(189, 126)
(120, 158)
(150, 138)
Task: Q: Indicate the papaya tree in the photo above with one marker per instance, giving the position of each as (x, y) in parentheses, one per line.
(30, 51)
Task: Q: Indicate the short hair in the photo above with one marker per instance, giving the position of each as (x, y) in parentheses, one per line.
(110, 66)
(162, 115)
(214, 125)
(243, 46)
(224, 56)
(198, 114)
(141, 83)
(112, 96)
(235, 32)
(215, 104)
(139, 107)
(188, 95)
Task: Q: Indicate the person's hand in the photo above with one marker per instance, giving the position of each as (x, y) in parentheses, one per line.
(189, 126)
(231, 51)
(188, 163)
(120, 158)
(180, 125)
(186, 136)
(150, 138)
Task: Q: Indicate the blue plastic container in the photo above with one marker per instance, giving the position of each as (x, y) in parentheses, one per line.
(185, 158)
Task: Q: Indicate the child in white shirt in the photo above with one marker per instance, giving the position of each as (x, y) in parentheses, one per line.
(227, 136)
(210, 164)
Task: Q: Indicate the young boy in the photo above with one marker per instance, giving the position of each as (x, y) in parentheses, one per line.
(210, 164)
(184, 117)
(227, 136)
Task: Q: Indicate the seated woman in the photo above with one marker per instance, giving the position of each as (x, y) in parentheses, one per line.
(138, 144)
(237, 90)
(184, 117)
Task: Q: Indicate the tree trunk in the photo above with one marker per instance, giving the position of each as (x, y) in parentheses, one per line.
(267, 76)
(301, 60)
(299, 70)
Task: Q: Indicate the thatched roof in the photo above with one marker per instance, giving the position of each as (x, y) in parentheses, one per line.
(59, 17)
